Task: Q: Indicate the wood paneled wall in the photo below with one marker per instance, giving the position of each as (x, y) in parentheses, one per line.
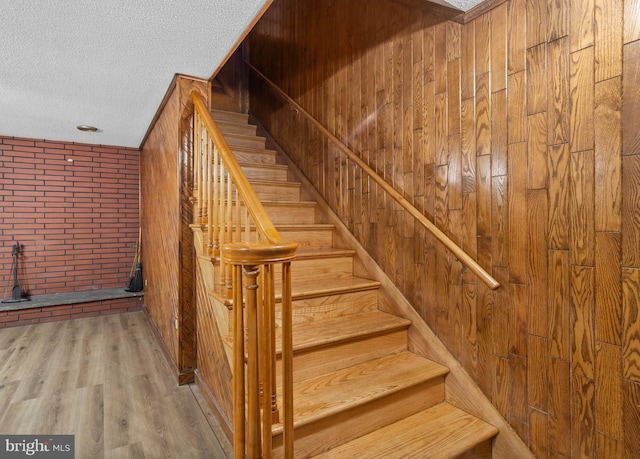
(517, 133)
(167, 249)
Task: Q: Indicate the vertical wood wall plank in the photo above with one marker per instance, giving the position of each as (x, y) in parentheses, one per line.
(483, 115)
(558, 20)
(536, 22)
(631, 99)
(559, 189)
(608, 155)
(537, 158)
(582, 321)
(581, 24)
(536, 73)
(499, 221)
(631, 20)
(582, 208)
(610, 391)
(558, 91)
(608, 38)
(498, 67)
(468, 61)
(516, 36)
(499, 150)
(539, 426)
(559, 291)
(608, 288)
(560, 407)
(538, 374)
(538, 265)
(518, 225)
(630, 206)
(581, 99)
(483, 43)
(516, 108)
(631, 418)
(631, 323)
(583, 434)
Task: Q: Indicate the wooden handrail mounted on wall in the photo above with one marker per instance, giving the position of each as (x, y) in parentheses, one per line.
(460, 254)
(245, 245)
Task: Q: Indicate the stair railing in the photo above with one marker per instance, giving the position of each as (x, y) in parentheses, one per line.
(245, 246)
(457, 251)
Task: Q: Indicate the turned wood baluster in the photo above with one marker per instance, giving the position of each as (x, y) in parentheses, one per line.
(254, 443)
(229, 223)
(216, 203)
(239, 433)
(196, 169)
(223, 265)
(210, 185)
(287, 359)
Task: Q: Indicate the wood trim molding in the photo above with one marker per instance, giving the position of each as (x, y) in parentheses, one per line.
(445, 12)
(479, 10)
(181, 377)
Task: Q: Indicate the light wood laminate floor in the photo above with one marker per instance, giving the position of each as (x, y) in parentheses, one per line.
(105, 380)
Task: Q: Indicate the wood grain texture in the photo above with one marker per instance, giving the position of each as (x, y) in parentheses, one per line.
(581, 25)
(608, 38)
(106, 382)
(631, 323)
(610, 397)
(608, 154)
(631, 99)
(581, 90)
(536, 73)
(630, 216)
(560, 99)
(632, 21)
(558, 91)
(608, 320)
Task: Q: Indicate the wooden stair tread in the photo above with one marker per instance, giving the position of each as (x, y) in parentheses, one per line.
(339, 329)
(442, 431)
(333, 393)
(277, 183)
(332, 252)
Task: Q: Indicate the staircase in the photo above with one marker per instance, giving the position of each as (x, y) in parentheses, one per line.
(358, 391)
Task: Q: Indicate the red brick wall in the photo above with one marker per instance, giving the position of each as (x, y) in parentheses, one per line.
(73, 208)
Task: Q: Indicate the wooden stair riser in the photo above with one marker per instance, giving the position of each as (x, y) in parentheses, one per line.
(227, 127)
(315, 362)
(238, 140)
(317, 437)
(284, 213)
(265, 172)
(307, 310)
(230, 117)
(254, 156)
(309, 237)
(276, 191)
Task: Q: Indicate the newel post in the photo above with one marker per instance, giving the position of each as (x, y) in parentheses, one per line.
(253, 313)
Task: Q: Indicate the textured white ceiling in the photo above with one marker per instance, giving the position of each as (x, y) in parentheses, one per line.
(108, 63)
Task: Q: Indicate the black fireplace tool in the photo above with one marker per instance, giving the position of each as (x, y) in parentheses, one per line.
(16, 291)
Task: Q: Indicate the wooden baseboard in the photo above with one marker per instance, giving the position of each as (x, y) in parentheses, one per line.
(221, 418)
(181, 377)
